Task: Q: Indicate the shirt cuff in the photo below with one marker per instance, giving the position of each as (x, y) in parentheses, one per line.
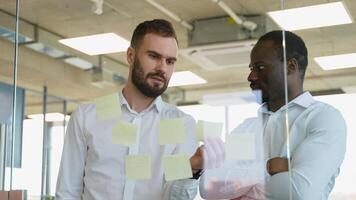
(185, 189)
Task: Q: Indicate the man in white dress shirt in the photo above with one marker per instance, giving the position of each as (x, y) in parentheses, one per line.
(93, 168)
(317, 132)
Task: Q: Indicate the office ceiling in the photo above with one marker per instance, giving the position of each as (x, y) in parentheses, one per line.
(68, 18)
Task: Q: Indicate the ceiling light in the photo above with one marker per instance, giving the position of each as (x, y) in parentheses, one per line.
(185, 78)
(322, 15)
(50, 117)
(337, 61)
(98, 44)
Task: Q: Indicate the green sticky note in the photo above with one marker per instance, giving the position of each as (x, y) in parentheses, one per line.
(206, 129)
(240, 146)
(108, 107)
(171, 131)
(138, 167)
(176, 167)
(124, 133)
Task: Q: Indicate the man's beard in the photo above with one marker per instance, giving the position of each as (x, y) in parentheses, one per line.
(140, 81)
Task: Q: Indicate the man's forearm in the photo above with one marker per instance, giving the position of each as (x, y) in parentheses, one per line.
(277, 165)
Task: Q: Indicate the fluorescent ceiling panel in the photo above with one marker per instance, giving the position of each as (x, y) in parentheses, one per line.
(185, 78)
(97, 44)
(322, 15)
(337, 61)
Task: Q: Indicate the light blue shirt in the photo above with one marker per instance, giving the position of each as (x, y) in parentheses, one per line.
(317, 148)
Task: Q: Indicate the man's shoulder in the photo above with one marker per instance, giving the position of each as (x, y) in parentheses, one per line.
(322, 107)
(85, 109)
(172, 111)
(325, 115)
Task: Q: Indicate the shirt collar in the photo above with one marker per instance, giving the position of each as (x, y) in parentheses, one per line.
(304, 100)
(157, 103)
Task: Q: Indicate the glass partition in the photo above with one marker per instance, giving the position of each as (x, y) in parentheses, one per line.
(329, 78)
(260, 116)
(10, 96)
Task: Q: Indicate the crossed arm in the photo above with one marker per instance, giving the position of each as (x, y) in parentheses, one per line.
(277, 165)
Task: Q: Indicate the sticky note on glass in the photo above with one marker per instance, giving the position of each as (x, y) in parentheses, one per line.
(138, 167)
(240, 146)
(171, 131)
(124, 133)
(208, 129)
(108, 107)
(177, 167)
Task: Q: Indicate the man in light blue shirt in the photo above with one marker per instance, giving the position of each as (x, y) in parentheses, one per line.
(317, 131)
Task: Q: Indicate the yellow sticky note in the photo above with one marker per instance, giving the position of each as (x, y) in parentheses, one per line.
(208, 129)
(240, 146)
(124, 133)
(176, 167)
(171, 131)
(108, 107)
(138, 167)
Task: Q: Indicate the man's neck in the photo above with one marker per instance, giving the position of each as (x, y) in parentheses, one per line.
(137, 101)
(277, 104)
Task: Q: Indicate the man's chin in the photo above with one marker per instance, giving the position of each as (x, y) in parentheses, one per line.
(154, 92)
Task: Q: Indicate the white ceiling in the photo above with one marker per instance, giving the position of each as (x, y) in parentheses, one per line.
(68, 18)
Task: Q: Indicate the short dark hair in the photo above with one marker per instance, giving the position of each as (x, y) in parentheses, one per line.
(295, 47)
(160, 27)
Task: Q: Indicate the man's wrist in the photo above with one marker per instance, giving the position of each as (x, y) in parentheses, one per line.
(197, 174)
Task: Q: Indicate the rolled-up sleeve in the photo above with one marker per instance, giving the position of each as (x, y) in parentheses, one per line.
(316, 160)
(71, 172)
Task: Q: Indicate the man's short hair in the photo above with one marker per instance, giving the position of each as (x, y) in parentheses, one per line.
(160, 27)
(295, 47)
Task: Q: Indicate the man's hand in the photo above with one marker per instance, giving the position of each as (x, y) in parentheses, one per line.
(277, 165)
(197, 160)
(208, 156)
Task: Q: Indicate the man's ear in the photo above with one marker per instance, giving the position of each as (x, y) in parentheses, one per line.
(130, 56)
(292, 66)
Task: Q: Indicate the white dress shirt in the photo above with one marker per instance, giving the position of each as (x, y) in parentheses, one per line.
(93, 168)
(317, 148)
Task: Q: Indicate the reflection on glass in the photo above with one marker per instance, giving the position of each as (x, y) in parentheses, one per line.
(256, 149)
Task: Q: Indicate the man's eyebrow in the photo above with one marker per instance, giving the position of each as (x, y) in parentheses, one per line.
(172, 58)
(158, 54)
(153, 52)
(256, 63)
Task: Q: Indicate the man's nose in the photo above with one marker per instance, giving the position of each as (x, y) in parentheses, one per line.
(162, 65)
(252, 76)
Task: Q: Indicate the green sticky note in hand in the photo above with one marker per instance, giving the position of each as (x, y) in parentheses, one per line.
(177, 167)
(240, 146)
(138, 167)
(171, 131)
(124, 133)
(108, 107)
(206, 129)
